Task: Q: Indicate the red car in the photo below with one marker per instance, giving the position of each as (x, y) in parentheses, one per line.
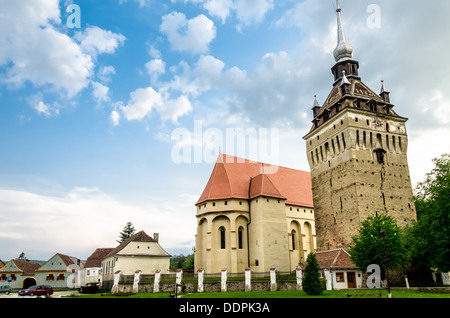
(37, 290)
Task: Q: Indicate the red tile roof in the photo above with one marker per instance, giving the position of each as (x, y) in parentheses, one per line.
(230, 179)
(27, 267)
(138, 237)
(338, 258)
(333, 259)
(95, 260)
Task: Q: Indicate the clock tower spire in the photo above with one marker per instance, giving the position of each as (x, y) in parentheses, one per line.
(357, 152)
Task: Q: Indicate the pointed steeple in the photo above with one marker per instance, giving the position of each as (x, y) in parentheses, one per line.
(384, 94)
(344, 79)
(316, 107)
(343, 50)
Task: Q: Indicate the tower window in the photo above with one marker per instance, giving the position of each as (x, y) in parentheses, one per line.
(240, 237)
(222, 237)
(357, 138)
(293, 239)
(380, 155)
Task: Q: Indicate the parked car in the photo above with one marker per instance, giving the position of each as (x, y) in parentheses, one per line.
(37, 290)
(5, 289)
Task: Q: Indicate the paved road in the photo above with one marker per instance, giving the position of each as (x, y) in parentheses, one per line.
(57, 294)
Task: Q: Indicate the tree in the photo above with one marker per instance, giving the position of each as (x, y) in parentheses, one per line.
(369, 248)
(22, 257)
(181, 261)
(312, 281)
(429, 237)
(127, 232)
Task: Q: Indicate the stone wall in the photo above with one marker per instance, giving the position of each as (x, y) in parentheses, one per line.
(129, 284)
(208, 287)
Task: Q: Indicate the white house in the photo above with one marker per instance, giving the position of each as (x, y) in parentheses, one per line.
(140, 252)
(338, 269)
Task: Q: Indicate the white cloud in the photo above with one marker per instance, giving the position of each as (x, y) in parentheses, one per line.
(252, 11)
(155, 68)
(192, 35)
(82, 220)
(42, 108)
(142, 102)
(219, 8)
(115, 117)
(105, 74)
(142, 3)
(95, 41)
(174, 108)
(34, 50)
(247, 11)
(100, 92)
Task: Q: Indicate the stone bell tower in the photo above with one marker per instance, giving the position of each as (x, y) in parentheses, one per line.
(356, 150)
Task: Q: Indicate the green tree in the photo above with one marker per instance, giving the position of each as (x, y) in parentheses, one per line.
(182, 261)
(127, 231)
(312, 281)
(429, 237)
(22, 257)
(368, 247)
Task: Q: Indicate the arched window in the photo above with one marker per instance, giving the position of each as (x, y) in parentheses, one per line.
(241, 237)
(293, 236)
(222, 237)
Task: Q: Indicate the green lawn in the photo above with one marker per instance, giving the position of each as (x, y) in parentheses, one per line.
(396, 293)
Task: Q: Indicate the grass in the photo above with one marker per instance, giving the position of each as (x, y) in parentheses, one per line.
(396, 293)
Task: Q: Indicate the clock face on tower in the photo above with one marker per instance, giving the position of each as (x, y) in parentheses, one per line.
(377, 124)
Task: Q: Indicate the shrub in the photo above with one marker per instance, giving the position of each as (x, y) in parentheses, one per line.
(312, 284)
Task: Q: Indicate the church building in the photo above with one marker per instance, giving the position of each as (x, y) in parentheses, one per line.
(357, 152)
(254, 215)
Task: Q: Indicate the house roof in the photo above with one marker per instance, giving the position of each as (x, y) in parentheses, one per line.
(334, 259)
(26, 267)
(230, 179)
(95, 260)
(66, 259)
(138, 237)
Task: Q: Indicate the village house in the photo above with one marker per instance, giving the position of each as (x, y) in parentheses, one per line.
(18, 274)
(56, 272)
(139, 252)
(338, 269)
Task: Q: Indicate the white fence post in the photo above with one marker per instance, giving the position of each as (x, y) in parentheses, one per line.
(179, 279)
(156, 281)
(223, 284)
(201, 273)
(299, 276)
(273, 279)
(137, 278)
(248, 279)
(328, 277)
(115, 287)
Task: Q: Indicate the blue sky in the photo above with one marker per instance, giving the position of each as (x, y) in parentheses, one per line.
(89, 116)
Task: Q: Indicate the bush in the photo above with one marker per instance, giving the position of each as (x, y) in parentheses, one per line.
(312, 284)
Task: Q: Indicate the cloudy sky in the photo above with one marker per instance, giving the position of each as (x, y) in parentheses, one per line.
(114, 111)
